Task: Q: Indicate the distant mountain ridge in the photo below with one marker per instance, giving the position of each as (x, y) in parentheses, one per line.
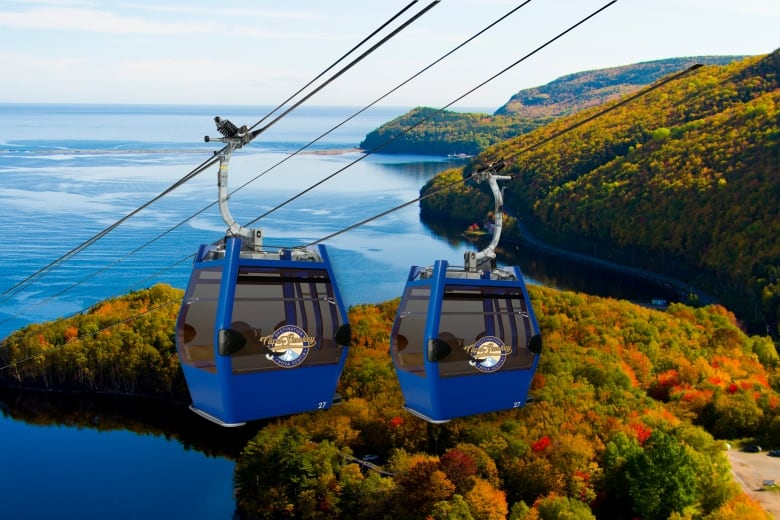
(573, 92)
(429, 131)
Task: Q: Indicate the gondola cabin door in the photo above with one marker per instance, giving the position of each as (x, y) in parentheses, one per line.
(260, 333)
(261, 337)
(464, 343)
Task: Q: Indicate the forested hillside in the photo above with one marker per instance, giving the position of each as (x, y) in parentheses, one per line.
(429, 131)
(684, 181)
(102, 350)
(631, 409)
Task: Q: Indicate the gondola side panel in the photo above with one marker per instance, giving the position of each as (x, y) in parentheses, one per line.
(195, 330)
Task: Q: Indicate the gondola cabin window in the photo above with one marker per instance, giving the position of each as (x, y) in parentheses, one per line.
(288, 318)
(485, 330)
(409, 338)
(196, 329)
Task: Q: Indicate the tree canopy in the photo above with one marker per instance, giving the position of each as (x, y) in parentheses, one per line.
(629, 402)
(101, 350)
(622, 400)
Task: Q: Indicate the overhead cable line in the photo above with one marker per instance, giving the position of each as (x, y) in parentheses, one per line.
(289, 156)
(14, 289)
(382, 145)
(255, 133)
(494, 166)
(332, 129)
(93, 334)
(318, 76)
(498, 165)
(423, 120)
(377, 100)
(374, 150)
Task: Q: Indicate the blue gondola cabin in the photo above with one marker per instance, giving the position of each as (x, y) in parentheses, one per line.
(261, 337)
(464, 343)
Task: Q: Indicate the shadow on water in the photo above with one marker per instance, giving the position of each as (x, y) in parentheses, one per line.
(552, 271)
(542, 267)
(138, 415)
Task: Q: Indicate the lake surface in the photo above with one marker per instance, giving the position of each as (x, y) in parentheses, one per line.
(60, 471)
(68, 175)
(68, 172)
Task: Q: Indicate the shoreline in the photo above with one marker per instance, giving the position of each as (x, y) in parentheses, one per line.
(678, 285)
(333, 151)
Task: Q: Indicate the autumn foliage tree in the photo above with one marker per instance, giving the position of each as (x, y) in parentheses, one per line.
(628, 404)
(122, 345)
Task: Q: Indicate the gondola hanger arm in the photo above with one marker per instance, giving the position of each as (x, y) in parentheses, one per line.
(473, 259)
(234, 138)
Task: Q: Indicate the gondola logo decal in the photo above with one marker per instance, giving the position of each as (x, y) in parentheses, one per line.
(289, 345)
(488, 354)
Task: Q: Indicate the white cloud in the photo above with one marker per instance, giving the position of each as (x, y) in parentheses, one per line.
(757, 7)
(249, 51)
(22, 64)
(184, 70)
(92, 20)
(222, 11)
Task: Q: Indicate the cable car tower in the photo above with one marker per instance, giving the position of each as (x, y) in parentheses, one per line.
(260, 333)
(466, 341)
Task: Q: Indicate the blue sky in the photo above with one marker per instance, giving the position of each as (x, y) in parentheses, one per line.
(256, 52)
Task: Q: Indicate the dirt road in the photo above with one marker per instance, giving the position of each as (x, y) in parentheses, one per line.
(751, 470)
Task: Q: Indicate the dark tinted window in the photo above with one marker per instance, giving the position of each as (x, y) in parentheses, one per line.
(408, 337)
(469, 314)
(267, 301)
(195, 329)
